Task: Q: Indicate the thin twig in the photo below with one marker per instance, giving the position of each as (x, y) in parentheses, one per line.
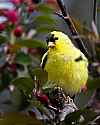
(94, 19)
(95, 11)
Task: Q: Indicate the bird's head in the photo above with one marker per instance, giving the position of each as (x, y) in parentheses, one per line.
(57, 38)
(51, 40)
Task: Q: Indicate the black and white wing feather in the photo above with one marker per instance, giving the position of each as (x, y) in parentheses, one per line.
(44, 60)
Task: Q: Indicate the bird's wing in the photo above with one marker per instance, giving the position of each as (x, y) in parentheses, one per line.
(79, 59)
(44, 60)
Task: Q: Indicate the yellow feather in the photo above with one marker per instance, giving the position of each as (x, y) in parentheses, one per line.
(61, 66)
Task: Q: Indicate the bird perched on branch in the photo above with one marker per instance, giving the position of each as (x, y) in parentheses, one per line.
(65, 64)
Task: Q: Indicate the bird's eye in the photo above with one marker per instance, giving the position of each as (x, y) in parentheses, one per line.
(51, 38)
(79, 58)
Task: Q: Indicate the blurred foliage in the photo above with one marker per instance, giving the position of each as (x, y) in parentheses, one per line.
(75, 117)
(17, 118)
(32, 43)
(23, 58)
(24, 84)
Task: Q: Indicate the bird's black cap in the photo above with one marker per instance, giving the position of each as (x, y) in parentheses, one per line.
(51, 38)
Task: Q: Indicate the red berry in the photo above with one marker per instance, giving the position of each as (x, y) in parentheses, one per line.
(13, 67)
(43, 98)
(16, 2)
(12, 16)
(31, 8)
(2, 27)
(18, 31)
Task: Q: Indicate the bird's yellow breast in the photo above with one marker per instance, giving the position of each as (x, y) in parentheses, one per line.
(67, 73)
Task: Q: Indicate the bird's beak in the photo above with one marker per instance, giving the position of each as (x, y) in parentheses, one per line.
(51, 44)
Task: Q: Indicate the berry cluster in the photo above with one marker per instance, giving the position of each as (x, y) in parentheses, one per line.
(15, 16)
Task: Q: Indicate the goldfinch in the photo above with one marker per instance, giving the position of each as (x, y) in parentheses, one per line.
(65, 64)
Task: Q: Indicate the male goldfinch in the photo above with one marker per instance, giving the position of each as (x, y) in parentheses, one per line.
(65, 64)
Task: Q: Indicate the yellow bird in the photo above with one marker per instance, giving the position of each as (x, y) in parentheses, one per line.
(65, 64)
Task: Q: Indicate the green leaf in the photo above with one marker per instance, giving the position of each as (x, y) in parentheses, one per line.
(73, 117)
(89, 116)
(37, 104)
(82, 99)
(76, 116)
(23, 58)
(2, 39)
(17, 99)
(10, 27)
(45, 29)
(15, 118)
(32, 43)
(24, 83)
(43, 8)
(5, 79)
(40, 74)
(45, 20)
